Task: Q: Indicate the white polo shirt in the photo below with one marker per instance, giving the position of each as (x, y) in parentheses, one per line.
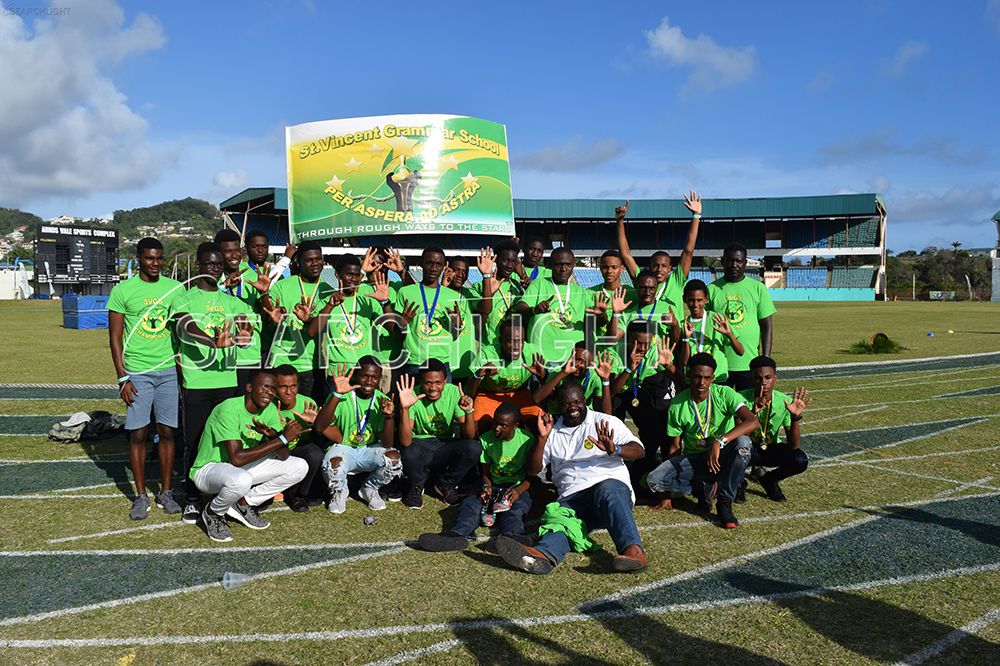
(577, 463)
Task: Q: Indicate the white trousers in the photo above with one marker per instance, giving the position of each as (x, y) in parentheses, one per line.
(256, 482)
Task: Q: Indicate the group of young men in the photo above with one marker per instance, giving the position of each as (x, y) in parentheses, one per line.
(494, 396)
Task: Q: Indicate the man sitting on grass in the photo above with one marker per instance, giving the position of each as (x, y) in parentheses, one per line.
(244, 460)
(504, 497)
(775, 410)
(585, 451)
(706, 447)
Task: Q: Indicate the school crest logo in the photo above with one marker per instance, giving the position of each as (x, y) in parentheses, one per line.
(736, 312)
(153, 322)
(589, 443)
(439, 425)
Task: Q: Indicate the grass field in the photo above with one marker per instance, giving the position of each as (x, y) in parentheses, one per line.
(888, 549)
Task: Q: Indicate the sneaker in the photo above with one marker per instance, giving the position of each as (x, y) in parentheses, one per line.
(441, 543)
(448, 494)
(338, 502)
(215, 526)
(741, 493)
(487, 518)
(296, 503)
(414, 499)
(501, 505)
(756, 473)
(371, 497)
(140, 507)
(393, 491)
(724, 510)
(314, 502)
(247, 515)
(523, 557)
(774, 493)
(165, 501)
(190, 514)
(633, 560)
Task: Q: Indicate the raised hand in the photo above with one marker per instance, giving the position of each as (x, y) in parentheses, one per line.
(224, 335)
(293, 428)
(387, 406)
(302, 311)
(395, 261)
(262, 428)
(721, 324)
(621, 211)
(486, 263)
(409, 312)
(341, 376)
(537, 367)
(465, 402)
(693, 202)
(263, 282)
(307, 415)
(618, 302)
(635, 356)
(244, 331)
(456, 316)
(489, 369)
(570, 367)
(603, 368)
(605, 439)
(275, 312)
(800, 400)
(543, 306)
(601, 304)
(381, 283)
(370, 262)
(291, 249)
(545, 422)
(404, 387)
(449, 275)
(665, 352)
(689, 329)
(233, 279)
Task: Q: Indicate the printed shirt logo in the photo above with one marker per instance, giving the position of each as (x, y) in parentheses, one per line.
(736, 312)
(589, 443)
(438, 425)
(153, 322)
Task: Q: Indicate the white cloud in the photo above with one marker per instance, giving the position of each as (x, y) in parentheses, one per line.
(712, 66)
(905, 55)
(230, 180)
(66, 129)
(573, 155)
(883, 143)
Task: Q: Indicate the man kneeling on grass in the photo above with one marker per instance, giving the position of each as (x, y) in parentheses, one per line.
(244, 460)
(504, 498)
(585, 451)
(709, 426)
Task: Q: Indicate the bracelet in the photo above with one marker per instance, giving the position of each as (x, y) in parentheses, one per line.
(384, 303)
(284, 440)
(628, 370)
(487, 275)
(605, 383)
(618, 450)
(616, 315)
(696, 216)
(123, 379)
(339, 396)
(796, 419)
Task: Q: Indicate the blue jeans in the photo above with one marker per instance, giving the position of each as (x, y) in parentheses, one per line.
(675, 475)
(606, 504)
(508, 522)
(371, 459)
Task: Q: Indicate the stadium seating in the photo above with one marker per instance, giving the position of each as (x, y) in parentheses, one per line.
(856, 278)
(805, 278)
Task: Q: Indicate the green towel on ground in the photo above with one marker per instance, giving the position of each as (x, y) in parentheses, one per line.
(558, 518)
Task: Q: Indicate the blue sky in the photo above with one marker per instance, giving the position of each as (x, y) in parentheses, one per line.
(113, 106)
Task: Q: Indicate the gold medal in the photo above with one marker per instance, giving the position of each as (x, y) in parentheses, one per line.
(763, 446)
(635, 402)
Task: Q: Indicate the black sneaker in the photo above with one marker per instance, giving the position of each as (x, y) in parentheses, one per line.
(440, 543)
(191, 514)
(774, 493)
(448, 494)
(727, 520)
(523, 557)
(296, 503)
(414, 499)
(741, 493)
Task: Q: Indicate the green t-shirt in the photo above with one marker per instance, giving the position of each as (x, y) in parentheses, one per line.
(247, 356)
(285, 415)
(539, 272)
(433, 339)
(599, 290)
(349, 330)
(555, 332)
(652, 312)
(506, 458)
(146, 338)
(467, 347)
(512, 375)
(204, 367)
(229, 421)
(671, 291)
(744, 303)
(725, 402)
(351, 411)
(647, 368)
(772, 418)
(504, 298)
(708, 340)
(291, 344)
(386, 344)
(437, 418)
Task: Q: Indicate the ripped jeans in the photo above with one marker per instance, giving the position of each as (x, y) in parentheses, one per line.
(371, 459)
(675, 475)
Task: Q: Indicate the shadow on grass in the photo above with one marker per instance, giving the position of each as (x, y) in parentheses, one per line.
(496, 645)
(118, 471)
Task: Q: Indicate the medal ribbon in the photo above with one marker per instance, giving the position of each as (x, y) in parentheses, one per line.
(352, 324)
(706, 425)
(648, 317)
(586, 380)
(534, 274)
(701, 334)
(302, 288)
(430, 312)
(362, 420)
(765, 424)
(562, 306)
(635, 380)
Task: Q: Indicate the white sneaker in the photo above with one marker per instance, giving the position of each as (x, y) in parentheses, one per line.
(371, 497)
(338, 502)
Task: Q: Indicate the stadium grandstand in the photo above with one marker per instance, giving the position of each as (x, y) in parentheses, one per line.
(786, 237)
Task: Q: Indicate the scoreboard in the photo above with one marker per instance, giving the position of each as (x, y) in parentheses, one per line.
(82, 259)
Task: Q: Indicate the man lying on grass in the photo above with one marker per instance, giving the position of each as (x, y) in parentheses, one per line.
(709, 426)
(243, 458)
(585, 451)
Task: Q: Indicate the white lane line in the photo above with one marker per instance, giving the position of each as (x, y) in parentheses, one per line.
(952, 639)
(61, 460)
(978, 483)
(960, 484)
(24, 619)
(900, 361)
(853, 414)
(939, 454)
(207, 549)
(127, 530)
(411, 655)
(900, 379)
(117, 496)
(472, 625)
(90, 487)
(746, 557)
